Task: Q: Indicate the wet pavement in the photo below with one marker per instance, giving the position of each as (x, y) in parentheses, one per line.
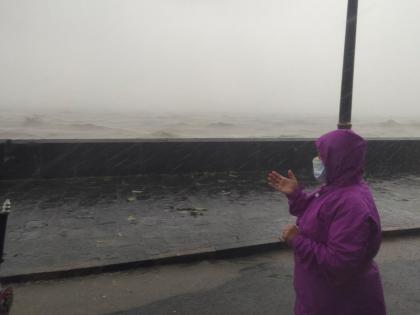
(77, 223)
(253, 285)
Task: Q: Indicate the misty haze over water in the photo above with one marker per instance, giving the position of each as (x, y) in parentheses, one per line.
(194, 69)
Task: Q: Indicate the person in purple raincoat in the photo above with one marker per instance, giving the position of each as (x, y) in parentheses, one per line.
(337, 232)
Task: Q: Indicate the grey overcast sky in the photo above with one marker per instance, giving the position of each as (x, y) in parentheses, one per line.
(250, 55)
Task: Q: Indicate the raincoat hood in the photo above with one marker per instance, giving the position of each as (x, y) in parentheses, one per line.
(343, 153)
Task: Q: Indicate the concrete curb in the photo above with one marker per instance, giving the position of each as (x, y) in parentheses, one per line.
(179, 257)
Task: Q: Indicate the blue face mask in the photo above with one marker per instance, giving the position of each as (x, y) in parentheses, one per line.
(319, 170)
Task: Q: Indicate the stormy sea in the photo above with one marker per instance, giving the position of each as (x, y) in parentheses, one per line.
(108, 124)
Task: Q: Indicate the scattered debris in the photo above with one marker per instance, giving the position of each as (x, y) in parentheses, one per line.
(131, 218)
(131, 199)
(138, 195)
(193, 211)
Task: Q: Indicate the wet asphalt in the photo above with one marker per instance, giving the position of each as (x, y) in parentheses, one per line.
(258, 284)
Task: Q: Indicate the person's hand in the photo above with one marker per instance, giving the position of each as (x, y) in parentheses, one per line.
(286, 185)
(289, 233)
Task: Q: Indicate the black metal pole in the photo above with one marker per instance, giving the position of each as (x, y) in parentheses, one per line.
(3, 224)
(4, 213)
(348, 66)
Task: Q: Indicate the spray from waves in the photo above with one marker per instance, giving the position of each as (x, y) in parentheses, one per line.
(221, 125)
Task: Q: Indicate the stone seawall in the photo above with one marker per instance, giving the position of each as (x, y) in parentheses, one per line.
(82, 158)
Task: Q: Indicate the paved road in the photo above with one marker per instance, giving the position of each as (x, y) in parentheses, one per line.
(64, 224)
(259, 284)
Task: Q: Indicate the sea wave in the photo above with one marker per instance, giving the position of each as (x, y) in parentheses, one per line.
(162, 134)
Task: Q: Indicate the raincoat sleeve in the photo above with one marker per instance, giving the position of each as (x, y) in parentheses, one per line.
(346, 248)
(298, 201)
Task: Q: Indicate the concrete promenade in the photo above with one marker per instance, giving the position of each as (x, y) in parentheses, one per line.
(62, 227)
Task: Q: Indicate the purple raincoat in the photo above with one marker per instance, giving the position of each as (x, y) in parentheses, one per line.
(340, 234)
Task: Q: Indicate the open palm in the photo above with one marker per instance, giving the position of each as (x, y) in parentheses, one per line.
(286, 185)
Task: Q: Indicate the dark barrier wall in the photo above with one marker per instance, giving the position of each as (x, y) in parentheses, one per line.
(78, 158)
